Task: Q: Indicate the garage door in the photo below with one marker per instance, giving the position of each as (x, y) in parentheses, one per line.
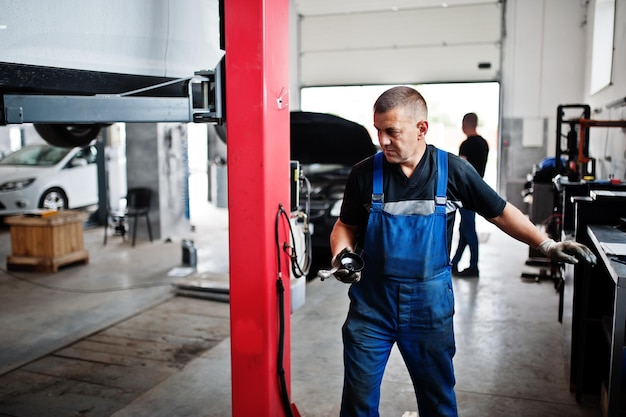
(353, 42)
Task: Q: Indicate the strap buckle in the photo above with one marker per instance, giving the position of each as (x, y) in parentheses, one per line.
(378, 198)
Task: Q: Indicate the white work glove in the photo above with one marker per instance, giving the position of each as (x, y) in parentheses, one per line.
(567, 251)
(343, 274)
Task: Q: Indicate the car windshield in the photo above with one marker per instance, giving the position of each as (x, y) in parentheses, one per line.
(38, 155)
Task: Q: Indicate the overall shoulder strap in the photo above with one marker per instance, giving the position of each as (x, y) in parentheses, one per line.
(377, 192)
(442, 181)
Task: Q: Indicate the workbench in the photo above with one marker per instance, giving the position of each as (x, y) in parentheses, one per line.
(603, 317)
(46, 242)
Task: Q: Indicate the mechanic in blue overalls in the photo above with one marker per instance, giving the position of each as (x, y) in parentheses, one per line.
(399, 208)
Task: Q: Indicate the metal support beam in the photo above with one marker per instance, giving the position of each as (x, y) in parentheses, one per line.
(257, 120)
(94, 109)
(201, 104)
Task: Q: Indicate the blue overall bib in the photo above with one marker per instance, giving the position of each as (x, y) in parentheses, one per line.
(405, 297)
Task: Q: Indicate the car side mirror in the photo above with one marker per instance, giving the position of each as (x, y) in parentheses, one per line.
(78, 162)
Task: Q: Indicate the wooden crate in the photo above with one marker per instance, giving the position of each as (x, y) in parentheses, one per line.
(48, 242)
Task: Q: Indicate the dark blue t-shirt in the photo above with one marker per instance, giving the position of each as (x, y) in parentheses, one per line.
(465, 189)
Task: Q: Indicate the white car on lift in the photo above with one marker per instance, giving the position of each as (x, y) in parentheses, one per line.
(45, 176)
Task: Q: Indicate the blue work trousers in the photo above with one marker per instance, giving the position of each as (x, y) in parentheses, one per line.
(467, 237)
(416, 316)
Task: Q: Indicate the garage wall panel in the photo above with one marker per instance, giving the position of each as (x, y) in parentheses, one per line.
(400, 66)
(425, 45)
(476, 24)
(327, 7)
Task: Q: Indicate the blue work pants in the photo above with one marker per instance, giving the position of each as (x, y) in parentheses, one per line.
(417, 317)
(467, 237)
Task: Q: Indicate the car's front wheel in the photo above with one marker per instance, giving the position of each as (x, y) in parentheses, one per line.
(68, 136)
(53, 199)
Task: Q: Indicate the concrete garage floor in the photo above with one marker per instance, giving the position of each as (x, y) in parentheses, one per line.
(111, 338)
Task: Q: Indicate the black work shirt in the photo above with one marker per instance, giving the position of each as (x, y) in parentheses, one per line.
(465, 189)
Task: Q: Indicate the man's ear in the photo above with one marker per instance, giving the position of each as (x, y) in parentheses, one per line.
(422, 127)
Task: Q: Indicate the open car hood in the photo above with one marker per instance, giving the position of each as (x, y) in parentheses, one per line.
(321, 138)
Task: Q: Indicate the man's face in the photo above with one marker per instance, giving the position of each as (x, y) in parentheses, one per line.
(400, 135)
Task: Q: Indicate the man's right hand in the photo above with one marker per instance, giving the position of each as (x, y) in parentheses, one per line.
(343, 274)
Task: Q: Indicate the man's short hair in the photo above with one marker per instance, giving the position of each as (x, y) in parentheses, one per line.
(402, 96)
(470, 120)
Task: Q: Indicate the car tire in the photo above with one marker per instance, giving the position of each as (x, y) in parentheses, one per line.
(68, 135)
(53, 199)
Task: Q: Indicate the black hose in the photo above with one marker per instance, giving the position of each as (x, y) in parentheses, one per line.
(284, 393)
(281, 349)
(292, 250)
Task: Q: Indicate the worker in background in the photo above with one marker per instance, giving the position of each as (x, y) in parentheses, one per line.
(475, 150)
(398, 213)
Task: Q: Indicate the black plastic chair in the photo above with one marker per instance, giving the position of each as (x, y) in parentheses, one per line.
(137, 205)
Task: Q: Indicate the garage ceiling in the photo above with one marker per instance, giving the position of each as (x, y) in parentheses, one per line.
(355, 42)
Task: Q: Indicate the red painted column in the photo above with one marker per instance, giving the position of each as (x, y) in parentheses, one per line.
(257, 123)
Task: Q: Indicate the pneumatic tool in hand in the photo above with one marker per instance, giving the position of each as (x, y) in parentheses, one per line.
(346, 266)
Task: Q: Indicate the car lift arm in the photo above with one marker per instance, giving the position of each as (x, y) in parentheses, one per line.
(202, 103)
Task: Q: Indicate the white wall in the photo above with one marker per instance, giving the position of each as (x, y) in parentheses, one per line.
(543, 66)
(547, 53)
(608, 145)
(294, 69)
(543, 57)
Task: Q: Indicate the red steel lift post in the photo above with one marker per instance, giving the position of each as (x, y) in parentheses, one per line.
(257, 121)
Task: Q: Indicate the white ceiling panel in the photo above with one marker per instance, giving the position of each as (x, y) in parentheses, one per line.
(400, 66)
(329, 7)
(427, 27)
(413, 41)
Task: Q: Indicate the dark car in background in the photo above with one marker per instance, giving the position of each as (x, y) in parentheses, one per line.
(326, 146)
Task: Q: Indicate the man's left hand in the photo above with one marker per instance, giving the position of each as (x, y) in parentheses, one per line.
(567, 251)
